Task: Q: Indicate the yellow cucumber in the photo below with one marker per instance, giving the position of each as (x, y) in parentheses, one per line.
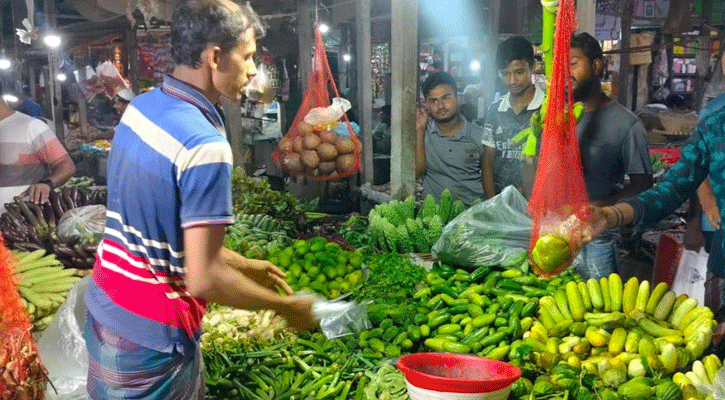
(576, 303)
(656, 330)
(642, 296)
(616, 342)
(549, 303)
(615, 291)
(693, 314)
(40, 301)
(669, 358)
(546, 318)
(631, 345)
(552, 345)
(681, 310)
(562, 303)
(699, 369)
(711, 366)
(595, 293)
(41, 271)
(597, 337)
(629, 294)
(606, 295)
(26, 258)
(46, 261)
(679, 300)
(680, 379)
(50, 277)
(61, 286)
(655, 297)
(584, 292)
(665, 306)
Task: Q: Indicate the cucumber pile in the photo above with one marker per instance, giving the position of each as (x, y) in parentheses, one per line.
(256, 235)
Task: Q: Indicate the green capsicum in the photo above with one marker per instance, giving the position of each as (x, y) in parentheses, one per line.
(550, 252)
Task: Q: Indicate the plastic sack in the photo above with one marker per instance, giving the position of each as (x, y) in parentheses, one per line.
(259, 85)
(312, 147)
(111, 79)
(83, 223)
(494, 232)
(340, 318)
(63, 348)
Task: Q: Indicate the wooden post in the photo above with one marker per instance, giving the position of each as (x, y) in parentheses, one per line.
(625, 70)
(404, 66)
(586, 15)
(233, 116)
(365, 83)
(132, 49)
(306, 40)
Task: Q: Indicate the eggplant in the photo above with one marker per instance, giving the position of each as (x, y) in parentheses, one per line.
(79, 263)
(74, 196)
(90, 261)
(27, 246)
(64, 251)
(90, 248)
(57, 205)
(49, 214)
(42, 225)
(67, 199)
(25, 211)
(79, 249)
(82, 197)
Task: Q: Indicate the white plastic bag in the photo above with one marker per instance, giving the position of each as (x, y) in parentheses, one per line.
(63, 349)
(330, 114)
(691, 275)
(340, 318)
(84, 223)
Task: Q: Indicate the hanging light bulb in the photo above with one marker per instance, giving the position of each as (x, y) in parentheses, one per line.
(324, 28)
(52, 40)
(4, 61)
(61, 77)
(346, 57)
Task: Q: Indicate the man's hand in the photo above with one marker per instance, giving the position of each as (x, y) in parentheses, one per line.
(711, 210)
(422, 119)
(37, 193)
(298, 313)
(265, 274)
(598, 220)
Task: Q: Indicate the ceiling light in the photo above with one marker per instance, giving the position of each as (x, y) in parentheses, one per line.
(52, 41)
(324, 28)
(61, 77)
(9, 98)
(4, 61)
(475, 66)
(346, 57)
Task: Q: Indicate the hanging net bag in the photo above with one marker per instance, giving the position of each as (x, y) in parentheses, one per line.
(22, 376)
(321, 144)
(559, 194)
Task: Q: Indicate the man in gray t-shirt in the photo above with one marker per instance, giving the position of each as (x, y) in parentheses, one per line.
(509, 115)
(449, 151)
(612, 143)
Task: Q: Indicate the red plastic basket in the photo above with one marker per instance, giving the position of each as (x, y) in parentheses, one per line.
(669, 155)
(457, 373)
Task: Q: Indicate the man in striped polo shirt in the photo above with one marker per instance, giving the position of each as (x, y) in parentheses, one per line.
(169, 199)
(32, 160)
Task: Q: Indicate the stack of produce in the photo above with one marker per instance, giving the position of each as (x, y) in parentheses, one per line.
(402, 227)
(29, 226)
(43, 284)
(318, 152)
(255, 196)
(77, 181)
(617, 332)
(257, 236)
(320, 266)
(225, 329)
(698, 383)
(22, 375)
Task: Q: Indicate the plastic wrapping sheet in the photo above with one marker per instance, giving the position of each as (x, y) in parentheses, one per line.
(63, 349)
(494, 232)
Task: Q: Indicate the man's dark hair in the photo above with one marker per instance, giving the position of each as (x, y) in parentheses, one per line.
(437, 79)
(588, 45)
(512, 49)
(197, 23)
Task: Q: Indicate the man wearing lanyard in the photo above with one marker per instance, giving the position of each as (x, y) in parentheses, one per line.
(169, 199)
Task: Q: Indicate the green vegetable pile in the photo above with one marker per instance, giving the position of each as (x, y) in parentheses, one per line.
(257, 236)
(319, 266)
(255, 196)
(399, 227)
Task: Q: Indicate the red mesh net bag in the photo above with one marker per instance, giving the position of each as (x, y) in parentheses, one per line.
(321, 143)
(559, 194)
(22, 376)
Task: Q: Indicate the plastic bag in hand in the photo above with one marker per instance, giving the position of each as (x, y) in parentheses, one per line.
(84, 223)
(340, 318)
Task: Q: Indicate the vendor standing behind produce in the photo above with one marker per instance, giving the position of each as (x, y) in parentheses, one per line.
(120, 103)
(32, 160)
(448, 151)
(509, 115)
(613, 143)
(169, 200)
